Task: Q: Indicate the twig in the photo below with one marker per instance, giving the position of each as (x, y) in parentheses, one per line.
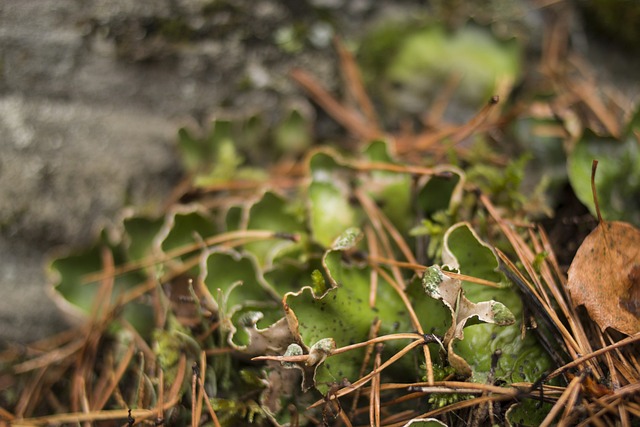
(49, 358)
(116, 376)
(419, 268)
(346, 117)
(576, 362)
(203, 391)
(340, 350)
(77, 417)
(374, 395)
(183, 250)
(414, 319)
(569, 394)
(349, 389)
(372, 244)
(374, 217)
(373, 333)
(354, 84)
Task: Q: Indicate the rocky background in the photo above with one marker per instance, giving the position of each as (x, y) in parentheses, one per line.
(92, 93)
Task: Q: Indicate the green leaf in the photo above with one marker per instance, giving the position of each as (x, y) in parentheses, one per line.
(77, 297)
(140, 235)
(213, 158)
(434, 316)
(194, 152)
(186, 227)
(390, 190)
(226, 270)
(244, 299)
(343, 314)
(330, 212)
(378, 151)
(289, 275)
(617, 179)
(463, 249)
(293, 134)
(233, 218)
(441, 191)
(449, 291)
(470, 52)
(438, 199)
(528, 413)
(273, 212)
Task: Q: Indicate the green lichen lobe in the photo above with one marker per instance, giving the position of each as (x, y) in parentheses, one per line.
(348, 239)
(292, 350)
(431, 280)
(502, 315)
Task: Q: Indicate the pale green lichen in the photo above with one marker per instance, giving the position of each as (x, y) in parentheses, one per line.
(348, 239)
(431, 280)
(501, 314)
(320, 351)
(293, 350)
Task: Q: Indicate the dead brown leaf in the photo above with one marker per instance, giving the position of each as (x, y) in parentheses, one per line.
(605, 274)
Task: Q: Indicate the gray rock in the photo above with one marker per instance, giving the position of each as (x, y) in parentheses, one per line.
(65, 169)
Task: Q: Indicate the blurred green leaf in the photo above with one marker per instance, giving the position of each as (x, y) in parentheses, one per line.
(418, 63)
(617, 179)
(330, 210)
(184, 228)
(273, 212)
(77, 296)
(293, 134)
(140, 235)
(528, 413)
(246, 302)
(390, 190)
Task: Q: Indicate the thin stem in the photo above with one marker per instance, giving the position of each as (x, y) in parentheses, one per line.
(629, 340)
(340, 350)
(362, 381)
(594, 167)
(183, 250)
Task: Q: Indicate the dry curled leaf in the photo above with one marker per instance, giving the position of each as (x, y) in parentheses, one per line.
(605, 273)
(605, 276)
(449, 291)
